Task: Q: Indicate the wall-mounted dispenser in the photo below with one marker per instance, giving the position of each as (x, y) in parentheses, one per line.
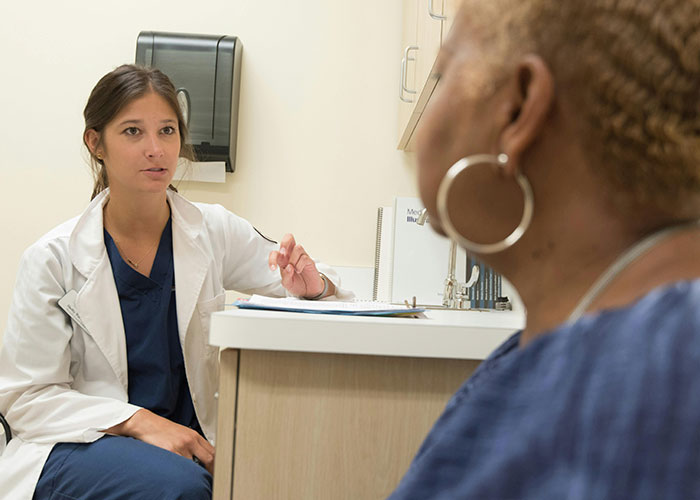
(206, 71)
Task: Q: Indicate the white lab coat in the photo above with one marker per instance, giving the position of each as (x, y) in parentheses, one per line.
(60, 383)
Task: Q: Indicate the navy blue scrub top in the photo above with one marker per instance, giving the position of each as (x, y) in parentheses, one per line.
(157, 379)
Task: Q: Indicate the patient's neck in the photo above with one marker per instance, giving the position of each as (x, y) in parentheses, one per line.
(552, 297)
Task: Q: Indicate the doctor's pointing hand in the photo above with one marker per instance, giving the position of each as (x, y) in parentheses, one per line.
(298, 271)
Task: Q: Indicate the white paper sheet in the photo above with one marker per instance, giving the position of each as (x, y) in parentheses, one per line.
(325, 306)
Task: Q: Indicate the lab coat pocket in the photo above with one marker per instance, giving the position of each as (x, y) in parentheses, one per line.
(205, 309)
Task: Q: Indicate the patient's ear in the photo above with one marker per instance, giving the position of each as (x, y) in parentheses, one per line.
(530, 97)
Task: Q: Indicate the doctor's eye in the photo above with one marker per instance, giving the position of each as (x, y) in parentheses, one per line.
(131, 131)
(168, 130)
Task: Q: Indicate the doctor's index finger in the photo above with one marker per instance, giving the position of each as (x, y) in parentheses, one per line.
(287, 244)
(205, 455)
(280, 258)
(201, 448)
(206, 444)
(205, 448)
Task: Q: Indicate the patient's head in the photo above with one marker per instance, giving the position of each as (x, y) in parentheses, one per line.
(112, 94)
(594, 101)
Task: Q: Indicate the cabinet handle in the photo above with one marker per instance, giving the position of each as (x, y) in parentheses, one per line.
(402, 88)
(432, 14)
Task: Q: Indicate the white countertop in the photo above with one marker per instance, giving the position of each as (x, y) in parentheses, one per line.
(444, 334)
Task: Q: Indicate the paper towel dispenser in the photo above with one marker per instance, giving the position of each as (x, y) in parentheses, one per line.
(206, 71)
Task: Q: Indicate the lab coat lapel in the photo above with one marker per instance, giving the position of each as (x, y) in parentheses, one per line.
(97, 302)
(190, 260)
(99, 309)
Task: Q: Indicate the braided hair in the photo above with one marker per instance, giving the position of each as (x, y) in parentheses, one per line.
(631, 68)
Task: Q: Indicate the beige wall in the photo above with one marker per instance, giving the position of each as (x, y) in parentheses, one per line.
(318, 115)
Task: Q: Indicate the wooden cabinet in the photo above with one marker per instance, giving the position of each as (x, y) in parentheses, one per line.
(318, 406)
(426, 24)
(317, 426)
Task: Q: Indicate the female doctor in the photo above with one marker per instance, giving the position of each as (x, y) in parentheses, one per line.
(106, 377)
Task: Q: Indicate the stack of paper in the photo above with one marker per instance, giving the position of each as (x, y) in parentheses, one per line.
(358, 308)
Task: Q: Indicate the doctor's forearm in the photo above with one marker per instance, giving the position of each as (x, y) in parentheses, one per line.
(128, 427)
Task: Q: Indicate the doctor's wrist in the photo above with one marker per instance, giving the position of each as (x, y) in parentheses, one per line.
(129, 427)
(324, 290)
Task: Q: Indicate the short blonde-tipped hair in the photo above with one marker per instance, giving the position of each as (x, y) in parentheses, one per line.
(632, 70)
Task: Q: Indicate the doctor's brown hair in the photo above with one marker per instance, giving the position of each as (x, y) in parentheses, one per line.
(112, 93)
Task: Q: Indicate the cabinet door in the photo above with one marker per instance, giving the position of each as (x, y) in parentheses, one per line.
(428, 36)
(408, 94)
(316, 426)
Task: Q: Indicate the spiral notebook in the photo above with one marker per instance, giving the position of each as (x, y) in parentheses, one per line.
(384, 255)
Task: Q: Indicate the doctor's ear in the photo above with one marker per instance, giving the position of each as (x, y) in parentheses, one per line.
(92, 141)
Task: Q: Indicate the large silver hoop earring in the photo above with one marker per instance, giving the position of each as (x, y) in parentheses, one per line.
(443, 193)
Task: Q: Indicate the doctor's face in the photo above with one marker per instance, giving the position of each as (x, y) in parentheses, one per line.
(141, 145)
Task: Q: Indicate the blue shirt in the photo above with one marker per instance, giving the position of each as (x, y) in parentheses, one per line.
(606, 408)
(157, 379)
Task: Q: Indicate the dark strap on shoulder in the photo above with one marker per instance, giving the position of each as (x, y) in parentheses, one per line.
(6, 426)
(263, 236)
